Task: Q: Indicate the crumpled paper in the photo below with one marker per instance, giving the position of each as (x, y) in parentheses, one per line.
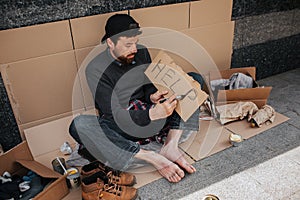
(236, 111)
(66, 148)
(265, 115)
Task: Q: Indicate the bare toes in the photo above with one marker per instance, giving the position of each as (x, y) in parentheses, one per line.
(172, 173)
(185, 165)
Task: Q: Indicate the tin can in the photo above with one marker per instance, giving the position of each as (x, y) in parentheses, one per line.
(210, 197)
(235, 139)
(57, 166)
(73, 178)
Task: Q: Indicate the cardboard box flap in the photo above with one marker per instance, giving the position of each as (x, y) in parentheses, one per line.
(226, 74)
(7, 160)
(39, 168)
(56, 191)
(244, 94)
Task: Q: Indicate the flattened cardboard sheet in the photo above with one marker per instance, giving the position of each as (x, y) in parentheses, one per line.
(166, 75)
(83, 58)
(48, 137)
(210, 139)
(207, 12)
(46, 120)
(246, 131)
(163, 16)
(42, 87)
(88, 31)
(34, 41)
(217, 40)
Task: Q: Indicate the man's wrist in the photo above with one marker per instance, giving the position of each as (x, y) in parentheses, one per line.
(152, 114)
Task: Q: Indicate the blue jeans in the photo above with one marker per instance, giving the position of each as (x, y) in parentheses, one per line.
(105, 142)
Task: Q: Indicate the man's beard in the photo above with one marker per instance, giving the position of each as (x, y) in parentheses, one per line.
(125, 60)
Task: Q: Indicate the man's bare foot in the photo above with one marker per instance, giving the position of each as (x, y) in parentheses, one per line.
(173, 154)
(169, 170)
(165, 167)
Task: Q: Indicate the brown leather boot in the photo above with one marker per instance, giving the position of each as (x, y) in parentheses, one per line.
(111, 192)
(94, 182)
(115, 176)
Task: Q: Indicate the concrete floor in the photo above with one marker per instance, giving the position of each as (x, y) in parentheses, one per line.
(266, 166)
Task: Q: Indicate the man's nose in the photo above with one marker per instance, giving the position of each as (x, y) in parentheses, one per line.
(133, 48)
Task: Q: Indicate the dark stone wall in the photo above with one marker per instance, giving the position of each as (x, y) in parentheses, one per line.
(266, 35)
(243, 8)
(9, 131)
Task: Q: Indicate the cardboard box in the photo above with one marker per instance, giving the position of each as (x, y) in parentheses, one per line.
(19, 160)
(258, 95)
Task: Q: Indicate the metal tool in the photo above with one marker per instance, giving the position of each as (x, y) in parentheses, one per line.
(178, 97)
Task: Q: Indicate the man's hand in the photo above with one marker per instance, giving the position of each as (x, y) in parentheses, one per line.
(158, 96)
(163, 110)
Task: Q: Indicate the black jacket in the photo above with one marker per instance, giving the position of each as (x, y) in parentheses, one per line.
(114, 85)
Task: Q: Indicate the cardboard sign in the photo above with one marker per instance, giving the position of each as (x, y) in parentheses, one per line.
(166, 75)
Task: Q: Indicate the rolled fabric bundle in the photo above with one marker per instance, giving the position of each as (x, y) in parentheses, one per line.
(264, 115)
(236, 111)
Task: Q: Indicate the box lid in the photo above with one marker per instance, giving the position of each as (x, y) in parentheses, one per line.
(244, 94)
(39, 168)
(7, 160)
(226, 74)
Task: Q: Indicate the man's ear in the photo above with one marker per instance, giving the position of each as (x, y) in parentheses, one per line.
(110, 43)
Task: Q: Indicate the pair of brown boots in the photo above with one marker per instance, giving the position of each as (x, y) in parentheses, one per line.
(102, 182)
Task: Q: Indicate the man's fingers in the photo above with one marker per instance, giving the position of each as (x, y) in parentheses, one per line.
(164, 92)
(172, 98)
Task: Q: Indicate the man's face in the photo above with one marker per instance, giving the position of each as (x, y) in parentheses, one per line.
(125, 49)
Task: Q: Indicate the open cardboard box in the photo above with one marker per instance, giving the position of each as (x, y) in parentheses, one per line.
(19, 160)
(258, 95)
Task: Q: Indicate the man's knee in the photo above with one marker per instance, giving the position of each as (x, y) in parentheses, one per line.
(73, 129)
(197, 77)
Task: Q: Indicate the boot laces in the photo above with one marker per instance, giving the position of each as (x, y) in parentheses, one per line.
(113, 178)
(110, 188)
